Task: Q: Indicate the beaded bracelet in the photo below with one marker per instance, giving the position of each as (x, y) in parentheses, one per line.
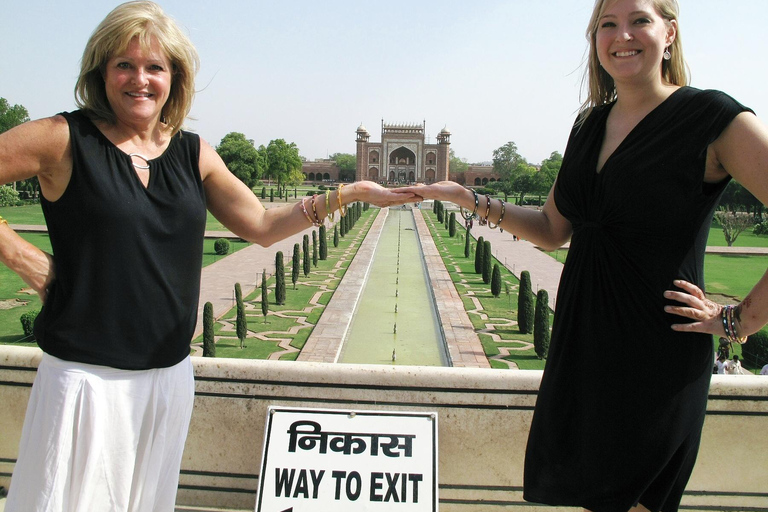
(484, 220)
(342, 208)
(328, 214)
(471, 215)
(314, 211)
(501, 217)
(306, 214)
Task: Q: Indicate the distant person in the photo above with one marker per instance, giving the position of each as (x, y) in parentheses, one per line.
(124, 193)
(626, 437)
(720, 365)
(733, 367)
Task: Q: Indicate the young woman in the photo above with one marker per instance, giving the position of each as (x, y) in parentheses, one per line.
(645, 165)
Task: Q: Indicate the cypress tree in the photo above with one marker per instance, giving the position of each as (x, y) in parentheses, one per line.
(452, 225)
(466, 244)
(525, 307)
(440, 212)
(295, 265)
(487, 259)
(279, 279)
(264, 295)
(314, 248)
(323, 243)
(496, 281)
(479, 255)
(271, 195)
(209, 344)
(241, 324)
(541, 325)
(335, 235)
(305, 249)
(263, 192)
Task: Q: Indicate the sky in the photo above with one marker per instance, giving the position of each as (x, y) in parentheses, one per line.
(311, 71)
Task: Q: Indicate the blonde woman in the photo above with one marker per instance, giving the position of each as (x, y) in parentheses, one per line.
(645, 165)
(125, 192)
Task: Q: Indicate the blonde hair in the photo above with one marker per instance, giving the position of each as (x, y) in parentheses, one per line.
(144, 20)
(599, 84)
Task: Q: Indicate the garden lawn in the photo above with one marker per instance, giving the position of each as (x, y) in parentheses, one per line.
(501, 312)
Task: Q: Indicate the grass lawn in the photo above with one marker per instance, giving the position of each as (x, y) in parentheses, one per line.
(496, 316)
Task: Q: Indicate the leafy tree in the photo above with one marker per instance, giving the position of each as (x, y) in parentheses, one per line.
(264, 295)
(487, 258)
(209, 341)
(305, 248)
(279, 279)
(466, 244)
(541, 332)
(11, 116)
(241, 324)
(733, 223)
(479, 255)
(283, 162)
(323, 243)
(524, 180)
(506, 159)
(295, 264)
(496, 281)
(547, 174)
(347, 164)
(737, 198)
(8, 196)
(525, 306)
(242, 158)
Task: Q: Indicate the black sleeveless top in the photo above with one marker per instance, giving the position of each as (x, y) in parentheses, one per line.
(127, 258)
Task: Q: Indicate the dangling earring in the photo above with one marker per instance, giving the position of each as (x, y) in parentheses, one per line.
(667, 55)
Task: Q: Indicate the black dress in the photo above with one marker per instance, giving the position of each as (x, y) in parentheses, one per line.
(622, 401)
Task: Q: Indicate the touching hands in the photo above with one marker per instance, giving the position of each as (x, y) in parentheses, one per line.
(370, 192)
(38, 272)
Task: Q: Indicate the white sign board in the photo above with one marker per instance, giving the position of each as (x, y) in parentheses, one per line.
(320, 460)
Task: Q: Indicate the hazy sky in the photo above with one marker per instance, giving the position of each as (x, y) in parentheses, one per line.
(311, 71)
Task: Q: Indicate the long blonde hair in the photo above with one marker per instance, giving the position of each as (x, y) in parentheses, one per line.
(599, 85)
(143, 20)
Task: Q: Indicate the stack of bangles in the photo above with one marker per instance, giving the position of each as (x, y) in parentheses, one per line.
(315, 218)
(3, 221)
(729, 325)
(483, 220)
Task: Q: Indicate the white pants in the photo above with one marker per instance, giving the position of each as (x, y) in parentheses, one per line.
(99, 439)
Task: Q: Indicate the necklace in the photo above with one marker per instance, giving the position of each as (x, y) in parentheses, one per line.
(142, 157)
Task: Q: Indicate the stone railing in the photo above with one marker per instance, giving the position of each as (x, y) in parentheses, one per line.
(483, 419)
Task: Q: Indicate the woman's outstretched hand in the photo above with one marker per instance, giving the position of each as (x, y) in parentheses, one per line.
(696, 306)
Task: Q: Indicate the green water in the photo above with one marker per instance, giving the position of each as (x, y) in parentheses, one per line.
(397, 277)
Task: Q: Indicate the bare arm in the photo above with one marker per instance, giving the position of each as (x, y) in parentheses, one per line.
(238, 208)
(546, 228)
(37, 148)
(741, 151)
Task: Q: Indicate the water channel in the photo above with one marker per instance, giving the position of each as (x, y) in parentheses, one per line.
(395, 321)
